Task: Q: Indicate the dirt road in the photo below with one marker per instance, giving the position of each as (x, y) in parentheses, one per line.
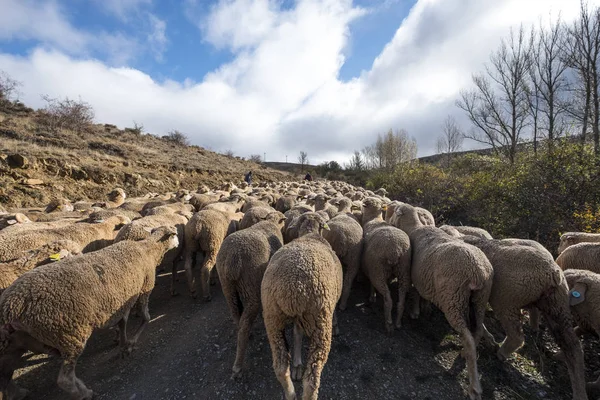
(188, 349)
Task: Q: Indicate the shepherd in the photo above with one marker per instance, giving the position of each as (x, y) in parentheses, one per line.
(248, 178)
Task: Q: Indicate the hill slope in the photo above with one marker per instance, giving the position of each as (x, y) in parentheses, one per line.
(37, 163)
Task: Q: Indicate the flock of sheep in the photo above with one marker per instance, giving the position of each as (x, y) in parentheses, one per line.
(291, 250)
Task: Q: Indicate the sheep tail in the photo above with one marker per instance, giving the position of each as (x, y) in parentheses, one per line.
(474, 289)
(472, 315)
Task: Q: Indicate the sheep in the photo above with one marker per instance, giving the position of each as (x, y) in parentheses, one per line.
(451, 230)
(60, 305)
(584, 304)
(321, 204)
(167, 209)
(302, 285)
(252, 202)
(7, 220)
(584, 255)
(60, 204)
(149, 205)
(54, 251)
(426, 217)
(33, 226)
(386, 255)
(584, 297)
(293, 229)
(232, 204)
(526, 275)
(254, 215)
(204, 232)
(115, 199)
(291, 216)
(138, 230)
(89, 236)
(468, 230)
(103, 214)
(59, 215)
(454, 276)
(285, 203)
(241, 264)
(345, 236)
(344, 205)
(571, 238)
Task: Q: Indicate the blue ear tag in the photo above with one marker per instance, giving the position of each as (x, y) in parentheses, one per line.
(576, 294)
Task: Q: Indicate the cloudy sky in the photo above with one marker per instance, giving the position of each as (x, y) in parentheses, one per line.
(263, 76)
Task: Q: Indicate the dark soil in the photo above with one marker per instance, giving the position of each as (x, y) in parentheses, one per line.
(188, 349)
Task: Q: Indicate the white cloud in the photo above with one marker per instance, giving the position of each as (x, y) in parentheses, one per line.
(157, 38)
(281, 93)
(45, 22)
(30, 19)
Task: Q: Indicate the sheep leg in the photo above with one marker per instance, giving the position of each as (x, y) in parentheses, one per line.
(534, 319)
(415, 303)
(384, 290)
(213, 277)
(402, 292)
(336, 328)
(248, 316)
(189, 261)
(297, 368)
(349, 276)
(122, 329)
(560, 323)
(318, 352)
(373, 295)
(207, 266)
(454, 311)
(232, 299)
(68, 382)
(143, 306)
(470, 354)
(275, 326)
(510, 321)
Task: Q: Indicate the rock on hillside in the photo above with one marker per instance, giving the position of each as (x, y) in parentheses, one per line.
(39, 163)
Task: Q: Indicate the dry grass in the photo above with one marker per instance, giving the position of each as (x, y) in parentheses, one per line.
(88, 163)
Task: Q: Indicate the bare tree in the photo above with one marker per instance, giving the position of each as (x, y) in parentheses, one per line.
(549, 82)
(75, 115)
(369, 157)
(303, 159)
(177, 137)
(9, 88)
(451, 139)
(394, 148)
(498, 106)
(356, 163)
(582, 54)
(256, 158)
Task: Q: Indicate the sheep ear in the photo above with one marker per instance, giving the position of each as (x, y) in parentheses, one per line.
(577, 294)
(325, 226)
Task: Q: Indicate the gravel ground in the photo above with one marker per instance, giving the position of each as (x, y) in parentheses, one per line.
(188, 349)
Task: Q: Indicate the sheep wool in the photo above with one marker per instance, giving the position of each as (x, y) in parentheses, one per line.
(302, 284)
(241, 264)
(60, 305)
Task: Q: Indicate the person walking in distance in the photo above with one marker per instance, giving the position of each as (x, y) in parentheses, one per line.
(248, 178)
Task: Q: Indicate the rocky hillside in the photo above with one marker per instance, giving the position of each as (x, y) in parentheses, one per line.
(38, 162)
